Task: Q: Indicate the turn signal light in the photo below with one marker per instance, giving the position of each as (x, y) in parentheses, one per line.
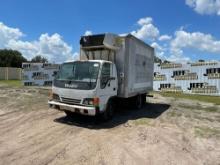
(96, 101)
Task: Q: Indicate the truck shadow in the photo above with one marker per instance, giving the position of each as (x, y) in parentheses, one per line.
(122, 115)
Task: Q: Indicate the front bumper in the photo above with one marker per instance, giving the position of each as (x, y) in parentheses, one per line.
(90, 111)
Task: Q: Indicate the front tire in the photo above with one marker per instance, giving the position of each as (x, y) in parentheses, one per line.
(69, 114)
(109, 112)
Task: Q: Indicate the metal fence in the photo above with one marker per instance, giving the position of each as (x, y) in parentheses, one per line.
(8, 73)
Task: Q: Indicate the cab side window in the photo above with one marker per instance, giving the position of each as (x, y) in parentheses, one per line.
(105, 75)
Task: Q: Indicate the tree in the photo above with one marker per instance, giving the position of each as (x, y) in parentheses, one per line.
(157, 59)
(201, 60)
(39, 58)
(166, 62)
(11, 58)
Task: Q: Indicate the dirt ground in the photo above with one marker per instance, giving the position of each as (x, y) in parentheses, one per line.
(166, 131)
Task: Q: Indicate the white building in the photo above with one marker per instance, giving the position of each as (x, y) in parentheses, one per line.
(41, 74)
(199, 77)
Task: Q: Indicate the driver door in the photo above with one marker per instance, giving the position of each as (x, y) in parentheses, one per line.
(107, 83)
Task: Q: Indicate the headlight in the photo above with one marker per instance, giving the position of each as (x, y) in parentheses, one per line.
(88, 101)
(56, 97)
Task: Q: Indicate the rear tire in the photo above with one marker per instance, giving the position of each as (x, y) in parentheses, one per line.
(139, 101)
(144, 99)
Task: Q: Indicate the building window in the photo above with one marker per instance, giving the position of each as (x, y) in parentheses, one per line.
(179, 73)
(165, 85)
(36, 74)
(28, 83)
(26, 66)
(47, 83)
(212, 70)
(196, 85)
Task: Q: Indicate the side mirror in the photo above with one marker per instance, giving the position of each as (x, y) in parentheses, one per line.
(106, 80)
(110, 79)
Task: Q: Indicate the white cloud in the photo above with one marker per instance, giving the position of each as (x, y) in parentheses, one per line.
(156, 46)
(159, 50)
(88, 32)
(164, 38)
(173, 48)
(147, 30)
(144, 21)
(123, 34)
(76, 56)
(28, 49)
(53, 47)
(8, 33)
(178, 58)
(196, 40)
(205, 6)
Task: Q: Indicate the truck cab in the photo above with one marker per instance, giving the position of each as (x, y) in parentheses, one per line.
(84, 87)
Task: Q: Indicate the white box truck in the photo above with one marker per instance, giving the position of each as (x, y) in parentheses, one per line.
(111, 69)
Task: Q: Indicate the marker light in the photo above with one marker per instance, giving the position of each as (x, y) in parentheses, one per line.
(96, 101)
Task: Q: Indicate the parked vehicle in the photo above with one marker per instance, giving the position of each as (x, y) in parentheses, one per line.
(110, 68)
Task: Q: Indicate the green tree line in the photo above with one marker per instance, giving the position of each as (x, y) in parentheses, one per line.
(13, 58)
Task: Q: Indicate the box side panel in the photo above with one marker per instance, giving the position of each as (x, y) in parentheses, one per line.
(139, 67)
(120, 65)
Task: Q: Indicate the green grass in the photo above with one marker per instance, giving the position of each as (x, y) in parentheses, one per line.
(199, 107)
(206, 132)
(210, 99)
(11, 83)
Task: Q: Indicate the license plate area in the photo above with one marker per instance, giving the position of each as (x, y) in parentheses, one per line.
(77, 110)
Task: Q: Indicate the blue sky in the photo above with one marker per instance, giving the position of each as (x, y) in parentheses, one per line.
(180, 30)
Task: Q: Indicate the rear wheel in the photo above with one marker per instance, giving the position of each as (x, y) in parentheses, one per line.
(138, 101)
(144, 99)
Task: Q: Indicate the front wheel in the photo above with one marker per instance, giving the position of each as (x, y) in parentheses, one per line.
(69, 114)
(109, 112)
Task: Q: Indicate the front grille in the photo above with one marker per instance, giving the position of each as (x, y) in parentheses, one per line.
(70, 101)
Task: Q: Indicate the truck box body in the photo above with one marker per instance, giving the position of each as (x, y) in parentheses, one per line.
(135, 67)
(134, 61)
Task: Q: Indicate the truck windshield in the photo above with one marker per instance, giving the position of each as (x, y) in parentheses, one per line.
(78, 75)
